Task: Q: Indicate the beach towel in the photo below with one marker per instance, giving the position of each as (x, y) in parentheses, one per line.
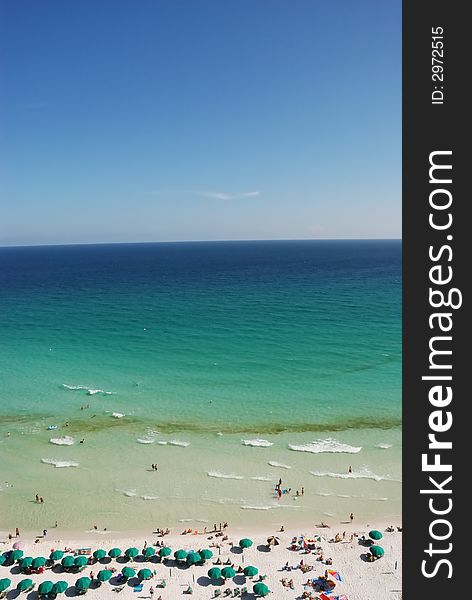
(335, 575)
(138, 588)
(325, 597)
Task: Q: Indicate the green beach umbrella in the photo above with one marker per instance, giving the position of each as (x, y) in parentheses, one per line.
(206, 554)
(214, 573)
(228, 572)
(56, 555)
(145, 574)
(377, 551)
(250, 571)
(180, 555)
(4, 584)
(26, 562)
(260, 589)
(67, 562)
(16, 554)
(80, 561)
(59, 587)
(114, 552)
(38, 562)
(375, 535)
(24, 584)
(245, 543)
(3, 559)
(104, 575)
(131, 552)
(128, 572)
(99, 554)
(45, 587)
(193, 558)
(83, 583)
(163, 552)
(150, 551)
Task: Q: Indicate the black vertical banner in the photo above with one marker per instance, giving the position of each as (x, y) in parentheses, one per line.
(436, 323)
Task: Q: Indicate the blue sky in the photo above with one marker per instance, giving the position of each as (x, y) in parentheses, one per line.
(150, 120)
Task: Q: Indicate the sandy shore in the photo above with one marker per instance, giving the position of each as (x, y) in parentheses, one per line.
(360, 580)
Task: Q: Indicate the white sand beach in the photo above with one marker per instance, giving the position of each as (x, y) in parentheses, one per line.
(360, 580)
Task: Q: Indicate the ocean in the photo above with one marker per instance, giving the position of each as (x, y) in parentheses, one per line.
(230, 364)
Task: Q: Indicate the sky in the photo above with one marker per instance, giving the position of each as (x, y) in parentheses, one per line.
(170, 120)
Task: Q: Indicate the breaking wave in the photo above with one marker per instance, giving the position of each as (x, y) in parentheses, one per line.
(219, 475)
(257, 443)
(59, 463)
(329, 445)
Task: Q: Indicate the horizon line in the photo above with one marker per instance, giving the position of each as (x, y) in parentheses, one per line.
(215, 241)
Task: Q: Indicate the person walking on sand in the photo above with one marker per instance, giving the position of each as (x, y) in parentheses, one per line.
(350, 470)
(351, 517)
(37, 498)
(151, 592)
(303, 491)
(17, 532)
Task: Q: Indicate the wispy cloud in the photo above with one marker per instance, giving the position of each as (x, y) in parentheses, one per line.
(228, 196)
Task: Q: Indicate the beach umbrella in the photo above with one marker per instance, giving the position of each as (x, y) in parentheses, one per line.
(180, 555)
(104, 575)
(67, 562)
(4, 584)
(375, 535)
(83, 583)
(114, 552)
(45, 587)
(150, 551)
(128, 572)
(56, 555)
(38, 562)
(26, 562)
(206, 554)
(131, 552)
(3, 559)
(250, 571)
(59, 587)
(193, 558)
(80, 561)
(99, 554)
(377, 551)
(18, 545)
(214, 573)
(163, 552)
(273, 541)
(245, 543)
(145, 574)
(260, 589)
(24, 585)
(228, 572)
(16, 554)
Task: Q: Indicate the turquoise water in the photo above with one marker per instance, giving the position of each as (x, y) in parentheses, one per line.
(206, 344)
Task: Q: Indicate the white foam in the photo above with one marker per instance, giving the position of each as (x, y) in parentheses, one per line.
(145, 441)
(128, 493)
(362, 474)
(378, 499)
(274, 463)
(59, 463)
(249, 507)
(178, 443)
(384, 446)
(162, 443)
(257, 443)
(261, 478)
(117, 415)
(63, 441)
(219, 475)
(329, 445)
(150, 497)
(90, 391)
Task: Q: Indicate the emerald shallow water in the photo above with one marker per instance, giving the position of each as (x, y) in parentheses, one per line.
(203, 346)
